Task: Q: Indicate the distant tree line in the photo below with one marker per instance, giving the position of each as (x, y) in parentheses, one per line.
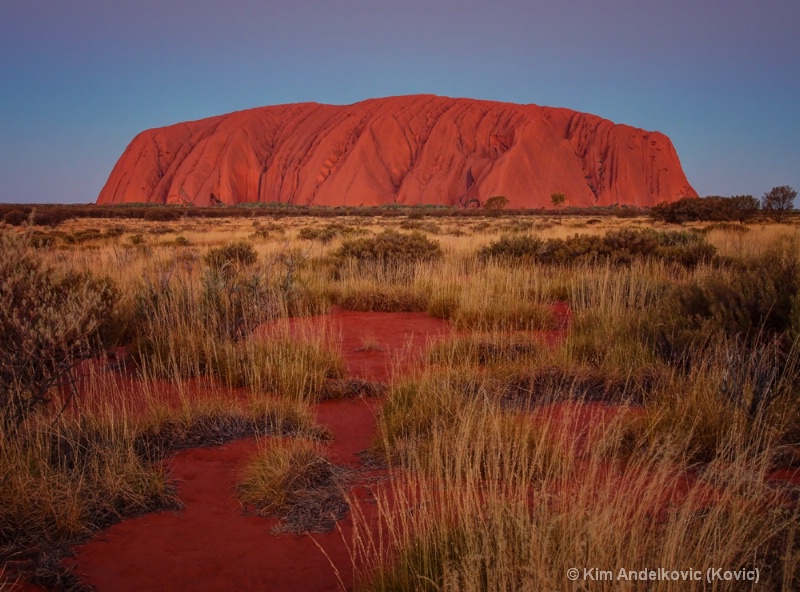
(54, 214)
(776, 203)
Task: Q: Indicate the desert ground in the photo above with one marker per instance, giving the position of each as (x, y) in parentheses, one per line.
(405, 402)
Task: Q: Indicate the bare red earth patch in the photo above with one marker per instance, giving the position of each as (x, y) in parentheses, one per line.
(211, 545)
(371, 343)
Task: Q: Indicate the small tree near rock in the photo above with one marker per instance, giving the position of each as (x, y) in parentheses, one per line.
(558, 199)
(778, 201)
(496, 203)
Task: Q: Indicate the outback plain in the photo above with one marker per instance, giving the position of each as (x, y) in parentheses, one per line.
(410, 400)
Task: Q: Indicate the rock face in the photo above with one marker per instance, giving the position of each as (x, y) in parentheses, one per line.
(407, 150)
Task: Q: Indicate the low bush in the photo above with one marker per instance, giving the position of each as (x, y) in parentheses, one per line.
(754, 300)
(323, 234)
(712, 208)
(513, 247)
(115, 231)
(232, 257)
(43, 240)
(136, 239)
(388, 248)
(420, 225)
(15, 217)
(87, 234)
(49, 323)
(619, 247)
(162, 214)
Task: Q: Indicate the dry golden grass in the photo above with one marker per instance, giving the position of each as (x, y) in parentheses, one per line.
(487, 498)
(295, 482)
(490, 490)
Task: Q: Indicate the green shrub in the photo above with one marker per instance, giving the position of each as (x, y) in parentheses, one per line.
(618, 247)
(390, 248)
(324, 234)
(513, 247)
(49, 323)
(755, 300)
(15, 218)
(578, 249)
(232, 257)
(712, 208)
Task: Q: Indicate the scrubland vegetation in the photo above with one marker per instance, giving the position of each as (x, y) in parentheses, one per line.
(646, 427)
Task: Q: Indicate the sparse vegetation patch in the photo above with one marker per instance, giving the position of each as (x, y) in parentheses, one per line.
(295, 482)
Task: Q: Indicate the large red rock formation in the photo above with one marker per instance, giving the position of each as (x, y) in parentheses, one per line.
(408, 150)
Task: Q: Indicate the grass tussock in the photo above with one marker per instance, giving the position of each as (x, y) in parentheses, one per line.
(482, 349)
(292, 368)
(385, 298)
(294, 482)
(65, 481)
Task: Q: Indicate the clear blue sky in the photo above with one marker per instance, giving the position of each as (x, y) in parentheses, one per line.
(79, 78)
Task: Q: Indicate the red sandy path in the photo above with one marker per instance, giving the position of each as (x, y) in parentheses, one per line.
(211, 545)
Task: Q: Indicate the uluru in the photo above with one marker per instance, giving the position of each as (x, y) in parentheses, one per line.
(409, 150)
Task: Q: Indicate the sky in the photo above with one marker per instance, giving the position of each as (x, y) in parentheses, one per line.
(80, 78)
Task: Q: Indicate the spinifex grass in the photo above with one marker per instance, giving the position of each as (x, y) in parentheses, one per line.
(62, 481)
(292, 367)
(294, 481)
(488, 499)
